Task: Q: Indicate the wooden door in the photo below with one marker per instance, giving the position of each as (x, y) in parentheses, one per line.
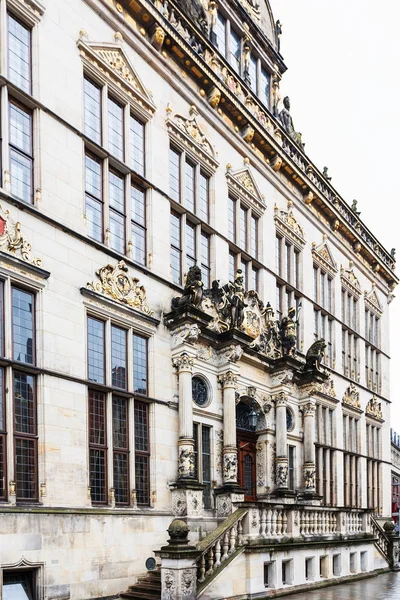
(247, 466)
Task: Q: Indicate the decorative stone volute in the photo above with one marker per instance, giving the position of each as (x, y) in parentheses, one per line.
(280, 399)
(183, 362)
(13, 241)
(228, 379)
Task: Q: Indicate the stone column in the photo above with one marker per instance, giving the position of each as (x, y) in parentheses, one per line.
(282, 470)
(309, 446)
(228, 381)
(183, 364)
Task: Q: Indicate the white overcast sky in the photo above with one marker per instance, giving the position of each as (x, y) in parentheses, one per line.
(343, 80)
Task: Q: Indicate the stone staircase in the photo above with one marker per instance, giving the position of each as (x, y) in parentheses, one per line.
(148, 587)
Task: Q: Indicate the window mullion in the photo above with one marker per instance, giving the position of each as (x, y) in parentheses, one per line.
(9, 402)
(104, 116)
(109, 448)
(107, 346)
(106, 202)
(130, 366)
(183, 247)
(131, 437)
(126, 112)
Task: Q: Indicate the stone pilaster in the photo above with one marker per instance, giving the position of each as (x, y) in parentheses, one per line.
(186, 462)
(228, 381)
(309, 447)
(282, 468)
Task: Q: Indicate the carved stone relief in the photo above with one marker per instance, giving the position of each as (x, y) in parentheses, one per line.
(13, 241)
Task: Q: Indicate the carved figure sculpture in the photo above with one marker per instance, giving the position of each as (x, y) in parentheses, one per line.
(325, 174)
(196, 12)
(278, 33)
(393, 253)
(236, 291)
(354, 208)
(193, 292)
(315, 355)
(287, 122)
(288, 329)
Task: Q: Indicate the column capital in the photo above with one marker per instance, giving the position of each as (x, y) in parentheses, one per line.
(308, 409)
(183, 362)
(280, 399)
(228, 379)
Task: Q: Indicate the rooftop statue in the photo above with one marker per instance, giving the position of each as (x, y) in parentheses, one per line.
(354, 208)
(287, 122)
(325, 174)
(393, 253)
(195, 11)
(278, 33)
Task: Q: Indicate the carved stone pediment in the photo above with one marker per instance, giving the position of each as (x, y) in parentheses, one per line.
(188, 132)
(327, 388)
(288, 226)
(352, 397)
(374, 409)
(242, 184)
(117, 284)
(323, 257)
(13, 241)
(112, 61)
(372, 301)
(350, 280)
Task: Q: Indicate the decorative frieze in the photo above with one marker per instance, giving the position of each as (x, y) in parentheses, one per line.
(13, 241)
(117, 284)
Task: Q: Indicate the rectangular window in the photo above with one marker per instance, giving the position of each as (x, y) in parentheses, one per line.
(23, 326)
(142, 453)
(265, 87)
(232, 266)
(97, 447)
(174, 175)
(190, 245)
(96, 359)
(117, 211)
(253, 73)
(175, 233)
(205, 258)
(25, 436)
(1, 318)
(234, 50)
(204, 185)
(291, 465)
(118, 357)
(202, 453)
(254, 236)
(115, 129)
(189, 186)
(138, 225)
(278, 257)
(21, 153)
(92, 110)
(137, 147)
(243, 227)
(139, 364)
(94, 197)
(19, 54)
(243, 266)
(254, 279)
(220, 33)
(231, 220)
(120, 422)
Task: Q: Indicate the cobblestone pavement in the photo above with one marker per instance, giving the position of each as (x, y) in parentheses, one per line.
(384, 587)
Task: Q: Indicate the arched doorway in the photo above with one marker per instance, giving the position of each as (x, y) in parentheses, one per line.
(246, 445)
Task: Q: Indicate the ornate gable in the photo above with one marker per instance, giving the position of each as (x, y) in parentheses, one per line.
(288, 226)
(188, 135)
(118, 285)
(372, 301)
(242, 184)
(13, 241)
(349, 280)
(323, 256)
(351, 397)
(111, 61)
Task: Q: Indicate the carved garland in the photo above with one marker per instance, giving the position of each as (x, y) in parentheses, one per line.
(13, 241)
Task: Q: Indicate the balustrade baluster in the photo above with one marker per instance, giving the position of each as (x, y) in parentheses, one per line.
(284, 522)
(279, 523)
(302, 522)
(210, 561)
(217, 553)
(263, 519)
(268, 524)
(273, 522)
(240, 533)
(232, 539)
(202, 567)
(225, 546)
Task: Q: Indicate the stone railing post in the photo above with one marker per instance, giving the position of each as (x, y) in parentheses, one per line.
(178, 564)
(393, 545)
(282, 468)
(309, 447)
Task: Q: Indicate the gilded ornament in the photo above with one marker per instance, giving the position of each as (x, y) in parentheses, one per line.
(116, 283)
(13, 241)
(352, 397)
(214, 97)
(374, 408)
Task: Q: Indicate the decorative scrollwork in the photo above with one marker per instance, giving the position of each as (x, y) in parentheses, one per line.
(13, 241)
